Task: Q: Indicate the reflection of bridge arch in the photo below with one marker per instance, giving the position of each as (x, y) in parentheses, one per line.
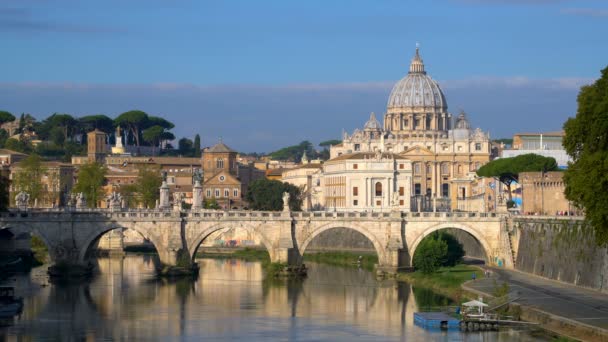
(351, 225)
(21, 231)
(251, 228)
(472, 231)
(94, 236)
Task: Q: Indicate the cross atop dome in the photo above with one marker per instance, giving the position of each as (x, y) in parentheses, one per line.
(417, 66)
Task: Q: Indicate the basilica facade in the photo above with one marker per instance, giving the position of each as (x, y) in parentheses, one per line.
(419, 154)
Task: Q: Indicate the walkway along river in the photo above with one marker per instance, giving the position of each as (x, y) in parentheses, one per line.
(230, 299)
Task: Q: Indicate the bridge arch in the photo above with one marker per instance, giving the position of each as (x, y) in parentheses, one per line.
(380, 251)
(95, 235)
(195, 243)
(441, 226)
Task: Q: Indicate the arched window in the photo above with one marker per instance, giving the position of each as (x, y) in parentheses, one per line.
(445, 169)
(220, 163)
(429, 169)
(378, 189)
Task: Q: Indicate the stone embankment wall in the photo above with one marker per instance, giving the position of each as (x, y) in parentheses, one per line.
(472, 247)
(560, 249)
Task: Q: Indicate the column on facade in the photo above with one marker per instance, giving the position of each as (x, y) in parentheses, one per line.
(387, 200)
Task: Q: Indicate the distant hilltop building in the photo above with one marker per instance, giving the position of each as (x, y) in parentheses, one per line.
(548, 144)
(418, 157)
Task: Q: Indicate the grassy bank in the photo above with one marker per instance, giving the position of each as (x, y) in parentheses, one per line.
(446, 280)
(343, 259)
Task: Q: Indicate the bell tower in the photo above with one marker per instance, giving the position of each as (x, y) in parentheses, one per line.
(96, 146)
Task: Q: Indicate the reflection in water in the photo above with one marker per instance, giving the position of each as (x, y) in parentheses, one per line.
(230, 300)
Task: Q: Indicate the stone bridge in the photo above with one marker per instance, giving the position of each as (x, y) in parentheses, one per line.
(176, 235)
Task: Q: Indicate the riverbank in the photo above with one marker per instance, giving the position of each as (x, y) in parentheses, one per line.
(446, 281)
(565, 309)
(344, 259)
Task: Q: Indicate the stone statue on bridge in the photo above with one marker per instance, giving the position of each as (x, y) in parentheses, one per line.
(395, 201)
(177, 201)
(22, 199)
(115, 201)
(81, 200)
(286, 201)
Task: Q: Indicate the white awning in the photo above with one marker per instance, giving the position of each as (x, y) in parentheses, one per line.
(474, 303)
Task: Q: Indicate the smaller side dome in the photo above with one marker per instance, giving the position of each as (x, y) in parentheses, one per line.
(372, 124)
(462, 122)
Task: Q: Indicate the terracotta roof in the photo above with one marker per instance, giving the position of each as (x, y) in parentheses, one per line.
(365, 155)
(275, 172)
(220, 148)
(7, 151)
(308, 166)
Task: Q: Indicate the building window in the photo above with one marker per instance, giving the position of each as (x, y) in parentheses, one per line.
(459, 148)
(355, 202)
(235, 193)
(406, 123)
(220, 163)
(445, 190)
(445, 169)
(217, 192)
(226, 193)
(357, 147)
(417, 168)
(429, 169)
(417, 189)
(460, 169)
(355, 191)
(401, 191)
(355, 166)
(477, 165)
(401, 166)
(378, 202)
(477, 146)
(378, 189)
(416, 123)
(400, 202)
(208, 193)
(428, 122)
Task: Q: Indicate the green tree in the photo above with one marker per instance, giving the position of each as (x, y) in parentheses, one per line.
(134, 121)
(158, 121)
(147, 185)
(265, 194)
(586, 141)
(64, 123)
(328, 143)
(17, 145)
(153, 135)
(507, 170)
(185, 147)
(21, 124)
(29, 177)
(130, 194)
(197, 146)
(211, 203)
(455, 251)
(6, 117)
(101, 122)
(3, 137)
(4, 193)
(430, 254)
(91, 178)
(295, 152)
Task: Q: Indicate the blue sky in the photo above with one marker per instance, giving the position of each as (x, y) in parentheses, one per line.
(265, 74)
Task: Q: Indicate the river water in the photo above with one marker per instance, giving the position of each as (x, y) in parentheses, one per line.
(229, 300)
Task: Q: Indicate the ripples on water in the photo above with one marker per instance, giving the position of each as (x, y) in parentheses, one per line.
(229, 300)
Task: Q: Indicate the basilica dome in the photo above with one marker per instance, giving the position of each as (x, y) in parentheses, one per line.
(417, 89)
